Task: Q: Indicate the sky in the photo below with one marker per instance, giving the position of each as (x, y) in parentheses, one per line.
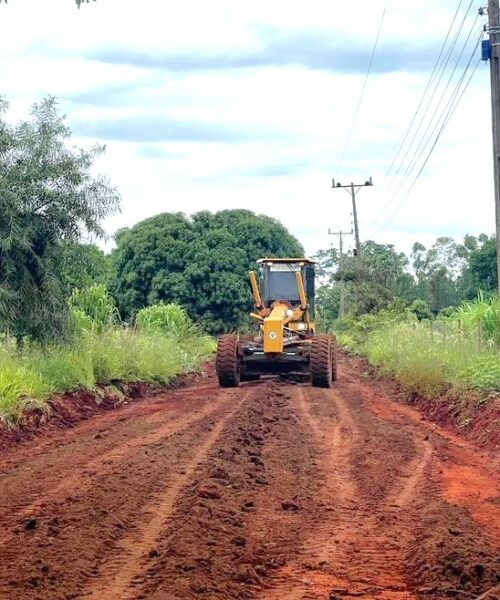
(211, 106)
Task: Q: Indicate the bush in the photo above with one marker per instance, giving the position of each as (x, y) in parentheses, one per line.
(482, 316)
(170, 319)
(29, 374)
(430, 357)
(95, 307)
(420, 309)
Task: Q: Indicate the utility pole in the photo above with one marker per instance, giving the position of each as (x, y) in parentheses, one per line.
(494, 54)
(353, 189)
(341, 264)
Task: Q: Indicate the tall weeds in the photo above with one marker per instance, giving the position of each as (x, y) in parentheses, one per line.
(30, 374)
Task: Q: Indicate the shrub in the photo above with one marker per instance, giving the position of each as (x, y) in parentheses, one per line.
(482, 316)
(97, 305)
(29, 374)
(170, 319)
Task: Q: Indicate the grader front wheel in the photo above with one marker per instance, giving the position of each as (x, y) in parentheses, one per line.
(322, 361)
(227, 362)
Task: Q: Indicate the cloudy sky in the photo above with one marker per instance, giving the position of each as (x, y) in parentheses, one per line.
(226, 104)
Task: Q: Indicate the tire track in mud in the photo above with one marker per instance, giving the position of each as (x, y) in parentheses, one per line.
(272, 491)
(344, 552)
(68, 539)
(115, 583)
(226, 547)
(15, 509)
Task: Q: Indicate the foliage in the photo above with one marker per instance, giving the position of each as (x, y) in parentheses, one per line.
(30, 374)
(482, 272)
(430, 357)
(421, 309)
(434, 278)
(165, 318)
(200, 262)
(372, 280)
(49, 196)
(459, 349)
(94, 306)
(481, 316)
(352, 332)
(84, 265)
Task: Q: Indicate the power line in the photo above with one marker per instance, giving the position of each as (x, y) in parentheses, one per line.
(399, 146)
(439, 71)
(424, 140)
(360, 100)
(452, 106)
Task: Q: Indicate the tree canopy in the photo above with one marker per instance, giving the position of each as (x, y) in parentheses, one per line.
(49, 198)
(200, 262)
(428, 281)
(84, 265)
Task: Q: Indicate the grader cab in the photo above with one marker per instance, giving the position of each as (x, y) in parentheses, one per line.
(285, 341)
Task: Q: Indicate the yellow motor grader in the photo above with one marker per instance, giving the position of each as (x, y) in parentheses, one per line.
(286, 341)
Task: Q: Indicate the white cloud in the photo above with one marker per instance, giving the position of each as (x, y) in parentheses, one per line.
(282, 123)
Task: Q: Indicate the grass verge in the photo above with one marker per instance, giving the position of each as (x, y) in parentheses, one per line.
(29, 374)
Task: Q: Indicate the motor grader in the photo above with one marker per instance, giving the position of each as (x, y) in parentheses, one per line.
(286, 341)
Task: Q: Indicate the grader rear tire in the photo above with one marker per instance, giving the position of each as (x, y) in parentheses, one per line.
(322, 361)
(227, 362)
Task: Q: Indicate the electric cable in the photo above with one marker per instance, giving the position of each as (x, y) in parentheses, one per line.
(360, 100)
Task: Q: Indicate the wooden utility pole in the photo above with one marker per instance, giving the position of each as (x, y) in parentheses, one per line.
(353, 189)
(341, 264)
(494, 33)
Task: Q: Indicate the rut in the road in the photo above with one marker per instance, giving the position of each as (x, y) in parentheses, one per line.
(273, 490)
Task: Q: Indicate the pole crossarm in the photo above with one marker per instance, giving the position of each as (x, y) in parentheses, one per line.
(353, 189)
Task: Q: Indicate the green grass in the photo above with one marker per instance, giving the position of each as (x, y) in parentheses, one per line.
(29, 374)
(460, 351)
(431, 357)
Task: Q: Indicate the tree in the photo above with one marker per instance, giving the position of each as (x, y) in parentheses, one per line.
(200, 262)
(84, 265)
(482, 268)
(372, 280)
(49, 197)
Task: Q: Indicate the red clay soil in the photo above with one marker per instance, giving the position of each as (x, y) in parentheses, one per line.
(270, 491)
(474, 415)
(69, 409)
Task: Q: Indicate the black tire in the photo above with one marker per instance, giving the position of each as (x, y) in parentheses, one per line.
(321, 361)
(334, 358)
(227, 362)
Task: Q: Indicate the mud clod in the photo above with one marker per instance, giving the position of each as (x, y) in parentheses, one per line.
(210, 492)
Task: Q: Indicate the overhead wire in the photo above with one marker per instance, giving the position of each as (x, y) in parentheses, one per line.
(446, 116)
(363, 89)
(423, 140)
(400, 144)
(426, 135)
(429, 102)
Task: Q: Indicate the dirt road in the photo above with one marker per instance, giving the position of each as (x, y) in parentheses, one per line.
(272, 491)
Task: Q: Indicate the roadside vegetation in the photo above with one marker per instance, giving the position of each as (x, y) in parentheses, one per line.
(99, 351)
(430, 320)
(60, 329)
(456, 350)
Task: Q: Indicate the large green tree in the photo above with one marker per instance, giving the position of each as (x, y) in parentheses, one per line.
(49, 197)
(372, 280)
(200, 262)
(84, 265)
